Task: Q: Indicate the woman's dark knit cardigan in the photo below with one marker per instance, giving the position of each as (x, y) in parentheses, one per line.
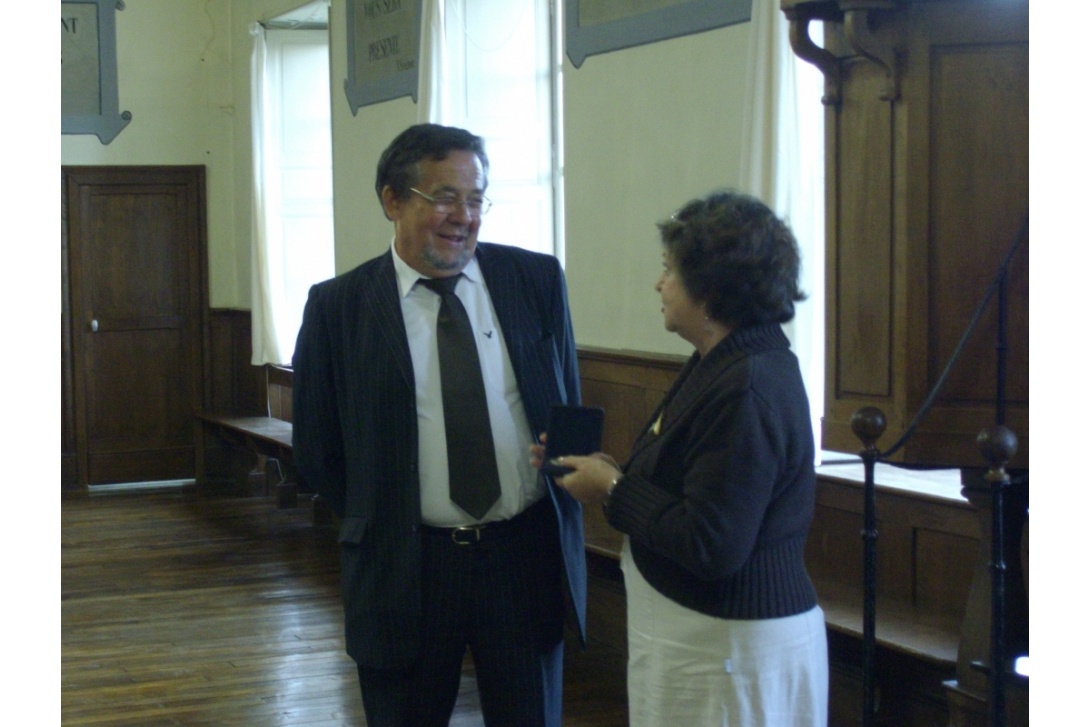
(718, 496)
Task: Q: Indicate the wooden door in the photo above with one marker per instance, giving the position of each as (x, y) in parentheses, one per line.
(135, 239)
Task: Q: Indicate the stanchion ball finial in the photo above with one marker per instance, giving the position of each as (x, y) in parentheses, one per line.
(868, 424)
(997, 445)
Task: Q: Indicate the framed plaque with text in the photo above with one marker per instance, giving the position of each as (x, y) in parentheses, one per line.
(599, 26)
(383, 50)
(89, 69)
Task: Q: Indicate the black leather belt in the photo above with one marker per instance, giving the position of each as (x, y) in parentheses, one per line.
(496, 530)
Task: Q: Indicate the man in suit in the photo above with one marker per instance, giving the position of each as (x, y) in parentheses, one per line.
(422, 577)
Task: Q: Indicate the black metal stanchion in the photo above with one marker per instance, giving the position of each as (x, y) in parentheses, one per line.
(868, 424)
(998, 445)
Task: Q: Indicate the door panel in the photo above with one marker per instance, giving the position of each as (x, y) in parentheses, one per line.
(69, 459)
(136, 246)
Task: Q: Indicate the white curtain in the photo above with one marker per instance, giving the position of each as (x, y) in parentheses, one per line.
(441, 92)
(783, 165)
(267, 237)
(292, 246)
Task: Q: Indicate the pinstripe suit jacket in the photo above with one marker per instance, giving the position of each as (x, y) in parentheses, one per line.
(355, 430)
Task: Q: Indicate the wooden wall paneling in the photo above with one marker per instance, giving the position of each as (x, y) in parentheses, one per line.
(834, 550)
(279, 384)
(863, 258)
(624, 413)
(862, 326)
(235, 385)
(943, 569)
(970, 90)
(235, 388)
(919, 541)
(219, 385)
(897, 558)
(927, 187)
(628, 387)
(967, 81)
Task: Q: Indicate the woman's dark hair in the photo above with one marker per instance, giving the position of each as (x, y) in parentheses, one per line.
(735, 256)
(398, 166)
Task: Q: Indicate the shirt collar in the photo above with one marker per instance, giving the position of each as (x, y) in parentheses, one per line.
(407, 277)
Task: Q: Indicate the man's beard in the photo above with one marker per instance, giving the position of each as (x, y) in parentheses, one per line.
(438, 262)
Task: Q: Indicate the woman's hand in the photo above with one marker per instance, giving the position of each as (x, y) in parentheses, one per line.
(592, 479)
(593, 476)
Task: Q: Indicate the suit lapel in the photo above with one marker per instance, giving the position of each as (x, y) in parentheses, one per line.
(505, 299)
(521, 331)
(382, 303)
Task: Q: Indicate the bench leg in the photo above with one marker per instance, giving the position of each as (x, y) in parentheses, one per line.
(280, 477)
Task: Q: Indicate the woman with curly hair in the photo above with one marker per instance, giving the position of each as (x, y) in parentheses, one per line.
(717, 497)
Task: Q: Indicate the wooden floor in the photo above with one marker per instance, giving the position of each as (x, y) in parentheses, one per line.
(183, 609)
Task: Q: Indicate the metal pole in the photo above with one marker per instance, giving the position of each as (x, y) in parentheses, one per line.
(870, 577)
(998, 445)
(868, 424)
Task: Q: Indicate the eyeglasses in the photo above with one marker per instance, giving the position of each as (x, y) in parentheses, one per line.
(475, 206)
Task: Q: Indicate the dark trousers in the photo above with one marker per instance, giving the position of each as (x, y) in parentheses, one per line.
(502, 598)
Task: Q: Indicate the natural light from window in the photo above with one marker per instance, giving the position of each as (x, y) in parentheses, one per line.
(295, 249)
(501, 56)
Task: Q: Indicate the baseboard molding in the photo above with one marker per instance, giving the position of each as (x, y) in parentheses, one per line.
(139, 486)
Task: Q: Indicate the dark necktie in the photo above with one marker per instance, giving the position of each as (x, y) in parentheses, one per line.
(471, 454)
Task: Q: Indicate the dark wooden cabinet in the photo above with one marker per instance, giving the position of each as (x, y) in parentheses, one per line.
(133, 326)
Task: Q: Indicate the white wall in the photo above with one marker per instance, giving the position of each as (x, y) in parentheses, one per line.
(647, 129)
(360, 229)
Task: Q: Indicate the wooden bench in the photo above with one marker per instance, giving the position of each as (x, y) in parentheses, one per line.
(230, 448)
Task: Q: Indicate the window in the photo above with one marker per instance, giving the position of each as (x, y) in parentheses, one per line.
(784, 166)
(293, 246)
(497, 74)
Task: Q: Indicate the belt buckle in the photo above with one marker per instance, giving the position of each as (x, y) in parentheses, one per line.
(467, 534)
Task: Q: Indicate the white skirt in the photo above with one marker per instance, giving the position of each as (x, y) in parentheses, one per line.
(689, 669)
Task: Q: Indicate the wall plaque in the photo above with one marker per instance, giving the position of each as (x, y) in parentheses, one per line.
(599, 26)
(89, 69)
(383, 50)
